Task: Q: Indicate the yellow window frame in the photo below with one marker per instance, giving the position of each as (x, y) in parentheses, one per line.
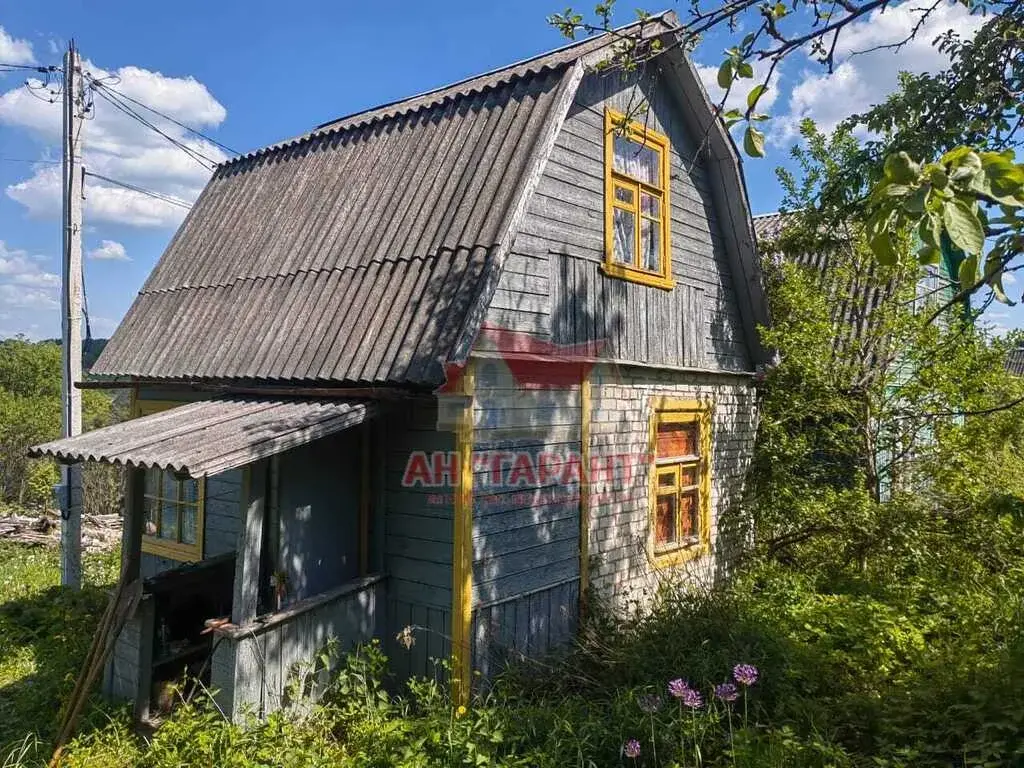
(154, 545)
(616, 122)
(666, 410)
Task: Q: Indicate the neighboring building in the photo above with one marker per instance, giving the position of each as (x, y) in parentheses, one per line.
(861, 344)
(451, 364)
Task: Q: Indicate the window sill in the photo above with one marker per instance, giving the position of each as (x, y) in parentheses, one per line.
(185, 553)
(634, 275)
(674, 557)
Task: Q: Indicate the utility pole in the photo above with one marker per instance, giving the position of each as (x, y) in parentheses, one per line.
(70, 490)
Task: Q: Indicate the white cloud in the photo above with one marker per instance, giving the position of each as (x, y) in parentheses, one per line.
(1008, 278)
(14, 51)
(117, 146)
(18, 268)
(864, 77)
(16, 297)
(109, 250)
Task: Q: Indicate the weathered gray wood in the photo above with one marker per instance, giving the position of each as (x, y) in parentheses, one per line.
(134, 520)
(247, 563)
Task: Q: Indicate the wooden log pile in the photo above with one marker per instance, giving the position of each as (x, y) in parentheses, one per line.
(100, 533)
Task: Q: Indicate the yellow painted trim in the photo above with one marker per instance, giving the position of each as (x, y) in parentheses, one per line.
(152, 545)
(675, 410)
(462, 549)
(613, 121)
(364, 501)
(585, 414)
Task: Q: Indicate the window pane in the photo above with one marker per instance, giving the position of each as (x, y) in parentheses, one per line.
(665, 520)
(170, 486)
(152, 482)
(169, 520)
(689, 521)
(625, 236)
(688, 475)
(677, 440)
(650, 205)
(150, 517)
(640, 161)
(190, 491)
(667, 479)
(650, 244)
(188, 525)
(624, 195)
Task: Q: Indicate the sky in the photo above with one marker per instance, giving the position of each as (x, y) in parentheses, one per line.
(249, 73)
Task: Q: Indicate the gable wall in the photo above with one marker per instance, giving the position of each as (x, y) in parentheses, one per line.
(551, 286)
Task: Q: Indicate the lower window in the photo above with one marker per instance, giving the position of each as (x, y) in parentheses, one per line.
(680, 503)
(173, 509)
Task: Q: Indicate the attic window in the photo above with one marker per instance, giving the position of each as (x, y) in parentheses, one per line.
(636, 210)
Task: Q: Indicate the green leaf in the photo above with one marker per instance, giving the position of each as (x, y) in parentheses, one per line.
(928, 255)
(968, 272)
(753, 142)
(881, 245)
(901, 169)
(938, 177)
(954, 155)
(963, 227)
(930, 229)
(745, 69)
(755, 94)
(725, 74)
(994, 277)
(779, 10)
(916, 202)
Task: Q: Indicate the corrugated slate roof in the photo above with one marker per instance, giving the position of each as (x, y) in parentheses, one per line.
(365, 251)
(1015, 361)
(353, 255)
(211, 436)
(852, 298)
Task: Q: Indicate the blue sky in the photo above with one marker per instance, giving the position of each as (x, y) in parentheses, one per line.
(251, 73)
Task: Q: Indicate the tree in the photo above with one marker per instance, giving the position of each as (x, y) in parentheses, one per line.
(945, 167)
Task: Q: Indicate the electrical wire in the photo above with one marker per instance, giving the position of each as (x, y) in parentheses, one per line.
(199, 157)
(26, 160)
(141, 190)
(125, 96)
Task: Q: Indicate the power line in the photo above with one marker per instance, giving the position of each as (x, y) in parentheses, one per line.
(156, 195)
(199, 157)
(33, 67)
(98, 84)
(26, 160)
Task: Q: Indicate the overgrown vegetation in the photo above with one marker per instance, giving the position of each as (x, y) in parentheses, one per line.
(30, 380)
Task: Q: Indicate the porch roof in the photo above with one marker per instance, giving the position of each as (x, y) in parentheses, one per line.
(211, 436)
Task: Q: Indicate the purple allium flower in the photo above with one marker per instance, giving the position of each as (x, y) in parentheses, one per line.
(631, 749)
(726, 692)
(745, 674)
(649, 703)
(693, 699)
(678, 687)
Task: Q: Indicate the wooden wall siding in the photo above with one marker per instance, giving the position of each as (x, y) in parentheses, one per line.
(529, 626)
(620, 422)
(121, 679)
(417, 542)
(260, 666)
(222, 522)
(566, 220)
(634, 321)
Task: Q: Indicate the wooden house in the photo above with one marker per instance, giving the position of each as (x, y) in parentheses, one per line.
(435, 373)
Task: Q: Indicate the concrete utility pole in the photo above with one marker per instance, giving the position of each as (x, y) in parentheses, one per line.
(70, 490)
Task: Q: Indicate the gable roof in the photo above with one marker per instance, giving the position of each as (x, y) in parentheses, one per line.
(367, 250)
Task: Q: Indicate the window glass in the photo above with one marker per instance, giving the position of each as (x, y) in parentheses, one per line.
(650, 245)
(188, 525)
(625, 235)
(689, 525)
(665, 520)
(677, 439)
(650, 205)
(624, 195)
(641, 161)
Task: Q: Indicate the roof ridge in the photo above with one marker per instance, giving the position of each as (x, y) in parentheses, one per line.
(460, 88)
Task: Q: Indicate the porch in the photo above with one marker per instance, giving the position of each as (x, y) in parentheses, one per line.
(250, 522)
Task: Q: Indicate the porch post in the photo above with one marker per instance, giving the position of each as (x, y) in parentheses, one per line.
(134, 520)
(236, 673)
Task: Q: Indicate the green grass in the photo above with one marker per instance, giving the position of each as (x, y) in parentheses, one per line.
(45, 631)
